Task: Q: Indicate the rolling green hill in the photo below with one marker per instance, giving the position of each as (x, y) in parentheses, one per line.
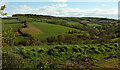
(49, 29)
(42, 41)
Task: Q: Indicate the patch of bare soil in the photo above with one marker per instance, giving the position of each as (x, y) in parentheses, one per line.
(32, 29)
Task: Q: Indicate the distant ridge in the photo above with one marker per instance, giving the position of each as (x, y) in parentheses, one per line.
(35, 15)
(30, 15)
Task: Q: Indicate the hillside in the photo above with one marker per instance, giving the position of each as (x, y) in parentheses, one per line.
(43, 41)
(49, 29)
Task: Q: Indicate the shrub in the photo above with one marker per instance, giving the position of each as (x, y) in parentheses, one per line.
(11, 60)
(62, 50)
(57, 47)
(75, 49)
(116, 45)
(40, 51)
(106, 45)
(51, 52)
(107, 50)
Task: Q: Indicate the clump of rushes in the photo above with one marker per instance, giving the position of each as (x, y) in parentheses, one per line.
(8, 37)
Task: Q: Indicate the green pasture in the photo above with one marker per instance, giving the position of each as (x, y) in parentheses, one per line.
(46, 30)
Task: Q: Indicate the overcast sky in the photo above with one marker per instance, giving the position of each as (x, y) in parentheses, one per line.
(64, 8)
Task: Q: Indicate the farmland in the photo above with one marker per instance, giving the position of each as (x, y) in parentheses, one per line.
(41, 41)
(44, 30)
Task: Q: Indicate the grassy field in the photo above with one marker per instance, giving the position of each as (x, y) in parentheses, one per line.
(44, 30)
(93, 25)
